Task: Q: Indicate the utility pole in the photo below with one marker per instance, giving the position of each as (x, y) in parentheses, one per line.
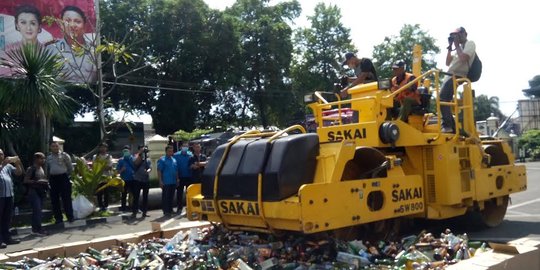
(101, 107)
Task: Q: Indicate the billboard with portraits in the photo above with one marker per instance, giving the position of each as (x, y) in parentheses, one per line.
(71, 35)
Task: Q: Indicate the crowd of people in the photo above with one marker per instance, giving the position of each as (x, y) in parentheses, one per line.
(176, 171)
(51, 174)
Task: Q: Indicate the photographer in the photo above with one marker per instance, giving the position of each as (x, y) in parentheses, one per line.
(197, 163)
(7, 173)
(458, 64)
(143, 167)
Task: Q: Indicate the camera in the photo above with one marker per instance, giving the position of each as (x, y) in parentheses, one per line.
(451, 39)
(144, 152)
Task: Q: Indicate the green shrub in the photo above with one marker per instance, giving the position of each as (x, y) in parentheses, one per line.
(86, 179)
(530, 141)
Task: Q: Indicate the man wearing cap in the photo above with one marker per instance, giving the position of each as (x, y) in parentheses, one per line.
(126, 168)
(363, 69)
(458, 64)
(7, 173)
(407, 98)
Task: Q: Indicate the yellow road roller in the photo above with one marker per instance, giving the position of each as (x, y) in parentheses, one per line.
(361, 166)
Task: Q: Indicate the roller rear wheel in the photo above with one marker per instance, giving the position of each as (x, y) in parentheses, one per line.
(492, 215)
(498, 157)
(367, 163)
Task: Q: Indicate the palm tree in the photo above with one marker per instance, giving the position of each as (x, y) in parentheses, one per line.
(485, 106)
(34, 91)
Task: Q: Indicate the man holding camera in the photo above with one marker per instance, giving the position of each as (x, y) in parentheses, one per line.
(458, 64)
(197, 163)
(143, 167)
(7, 173)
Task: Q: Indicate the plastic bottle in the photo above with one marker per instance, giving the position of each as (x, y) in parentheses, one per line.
(415, 257)
(176, 240)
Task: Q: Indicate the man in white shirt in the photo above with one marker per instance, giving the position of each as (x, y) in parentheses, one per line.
(458, 63)
(59, 168)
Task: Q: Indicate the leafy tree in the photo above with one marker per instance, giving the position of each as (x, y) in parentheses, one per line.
(195, 58)
(534, 90)
(180, 27)
(266, 52)
(183, 136)
(319, 49)
(33, 93)
(530, 141)
(400, 48)
(484, 106)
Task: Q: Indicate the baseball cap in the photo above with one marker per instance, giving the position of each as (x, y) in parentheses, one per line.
(398, 64)
(126, 147)
(348, 56)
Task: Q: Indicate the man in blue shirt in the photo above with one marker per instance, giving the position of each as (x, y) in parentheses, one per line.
(168, 179)
(126, 168)
(184, 174)
(7, 173)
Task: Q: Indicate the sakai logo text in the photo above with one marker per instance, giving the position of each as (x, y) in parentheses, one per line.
(347, 134)
(239, 208)
(406, 194)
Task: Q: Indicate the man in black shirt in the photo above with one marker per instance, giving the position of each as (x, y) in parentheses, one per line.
(363, 69)
(197, 163)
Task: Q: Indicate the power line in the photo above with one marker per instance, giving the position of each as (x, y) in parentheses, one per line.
(189, 90)
(160, 88)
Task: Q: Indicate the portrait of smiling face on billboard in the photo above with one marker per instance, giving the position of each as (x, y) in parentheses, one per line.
(71, 36)
(74, 23)
(28, 23)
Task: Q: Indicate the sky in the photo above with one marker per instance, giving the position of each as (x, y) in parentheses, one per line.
(506, 35)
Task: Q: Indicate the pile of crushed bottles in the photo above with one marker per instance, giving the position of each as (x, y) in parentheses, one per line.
(217, 248)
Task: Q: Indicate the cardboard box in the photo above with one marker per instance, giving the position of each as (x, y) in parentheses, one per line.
(195, 224)
(125, 239)
(502, 257)
(156, 226)
(103, 243)
(15, 256)
(148, 235)
(525, 241)
(74, 248)
(50, 252)
(170, 233)
(4, 258)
